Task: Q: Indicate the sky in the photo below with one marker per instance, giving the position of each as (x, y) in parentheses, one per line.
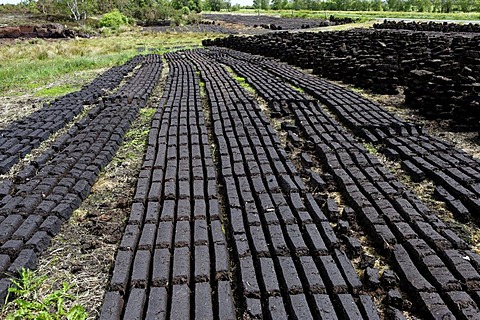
(9, 1)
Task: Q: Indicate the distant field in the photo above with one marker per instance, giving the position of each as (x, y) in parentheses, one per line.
(367, 15)
(31, 64)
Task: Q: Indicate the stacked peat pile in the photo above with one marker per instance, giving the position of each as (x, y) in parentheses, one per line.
(428, 26)
(42, 31)
(440, 72)
(448, 85)
(275, 23)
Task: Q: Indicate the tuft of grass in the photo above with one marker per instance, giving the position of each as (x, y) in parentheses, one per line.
(136, 138)
(297, 88)
(28, 305)
(243, 83)
(371, 149)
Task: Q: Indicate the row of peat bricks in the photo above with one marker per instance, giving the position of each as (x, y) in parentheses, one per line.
(440, 72)
(34, 204)
(428, 26)
(435, 266)
(455, 173)
(286, 257)
(172, 262)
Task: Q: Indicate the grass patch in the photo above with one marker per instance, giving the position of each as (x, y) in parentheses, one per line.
(27, 303)
(136, 138)
(57, 91)
(26, 65)
(241, 81)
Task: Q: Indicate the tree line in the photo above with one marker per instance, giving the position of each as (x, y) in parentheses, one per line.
(445, 6)
(154, 10)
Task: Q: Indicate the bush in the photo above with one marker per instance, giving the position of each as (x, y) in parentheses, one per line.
(113, 19)
(185, 10)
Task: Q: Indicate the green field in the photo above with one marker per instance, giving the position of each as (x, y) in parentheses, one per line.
(368, 15)
(30, 65)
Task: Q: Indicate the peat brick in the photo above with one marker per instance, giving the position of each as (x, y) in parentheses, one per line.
(121, 270)
(141, 268)
(164, 235)
(28, 227)
(260, 243)
(324, 307)
(221, 261)
(134, 308)
(26, 259)
(269, 276)
(82, 189)
(347, 307)
(315, 240)
(394, 298)
(153, 212)
(249, 278)
(389, 278)
(463, 269)
(225, 300)
(180, 308)
(9, 225)
(51, 225)
(147, 239)
(254, 308)
(157, 303)
(130, 238)
(368, 308)
(112, 306)
(290, 275)
(181, 265)
(312, 275)
(300, 306)
(182, 234)
(348, 271)
(168, 210)
(409, 273)
(277, 308)
(332, 275)
(136, 213)
(11, 248)
(203, 301)
(432, 306)
(296, 238)
(371, 277)
(39, 241)
(277, 238)
(202, 263)
(201, 232)
(161, 267)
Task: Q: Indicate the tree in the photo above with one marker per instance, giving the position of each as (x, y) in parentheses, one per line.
(214, 5)
(73, 9)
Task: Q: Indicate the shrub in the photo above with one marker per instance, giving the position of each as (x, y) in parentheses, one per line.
(113, 19)
(185, 10)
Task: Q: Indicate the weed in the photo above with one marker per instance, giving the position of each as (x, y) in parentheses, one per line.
(27, 304)
(297, 88)
(371, 148)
